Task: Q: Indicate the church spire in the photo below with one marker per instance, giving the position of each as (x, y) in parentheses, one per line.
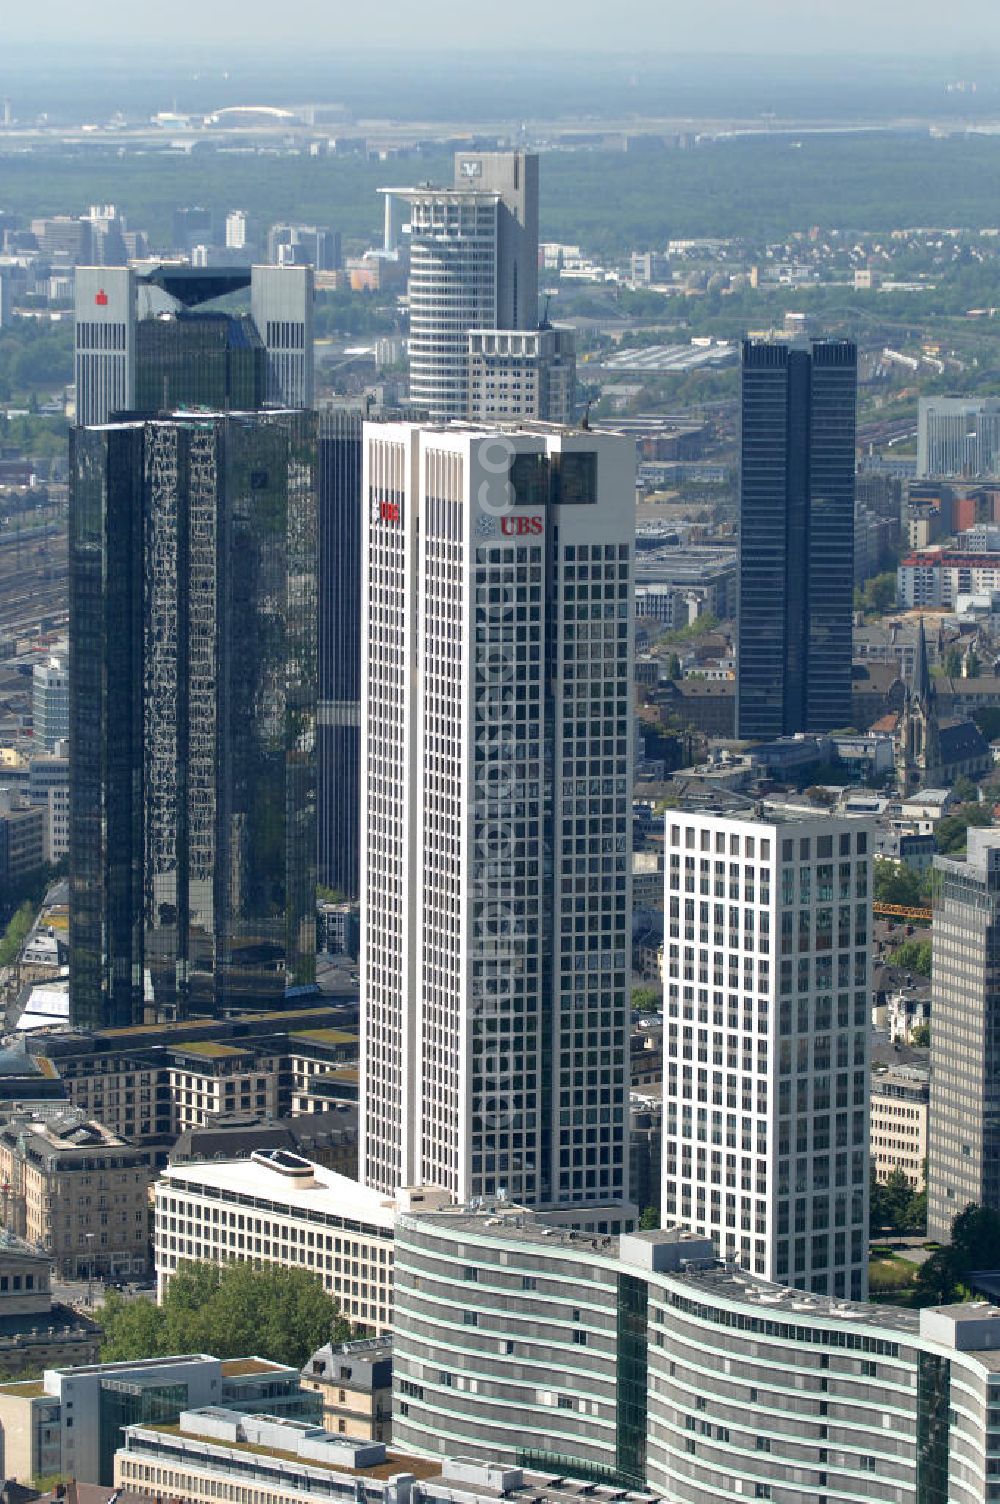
(918, 753)
(920, 683)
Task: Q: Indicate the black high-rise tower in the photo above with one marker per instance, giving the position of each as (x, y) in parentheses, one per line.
(796, 537)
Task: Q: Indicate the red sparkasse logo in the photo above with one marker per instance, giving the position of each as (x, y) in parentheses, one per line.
(518, 527)
(101, 298)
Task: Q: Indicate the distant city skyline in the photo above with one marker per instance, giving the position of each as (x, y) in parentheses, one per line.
(898, 27)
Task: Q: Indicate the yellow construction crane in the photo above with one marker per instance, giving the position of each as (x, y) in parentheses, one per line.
(900, 911)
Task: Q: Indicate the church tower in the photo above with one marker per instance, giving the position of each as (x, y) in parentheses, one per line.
(918, 753)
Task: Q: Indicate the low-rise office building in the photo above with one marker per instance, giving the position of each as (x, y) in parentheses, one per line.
(354, 1382)
(327, 1138)
(152, 1083)
(279, 1208)
(644, 1361)
(213, 1456)
(77, 1189)
(899, 1103)
(36, 1331)
(72, 1420)
(48, 788)
(208, 1077)
(23, 829)
(315, 1052)
(327, 1091)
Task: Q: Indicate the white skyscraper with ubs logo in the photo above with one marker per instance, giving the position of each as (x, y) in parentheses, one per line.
(496, 822)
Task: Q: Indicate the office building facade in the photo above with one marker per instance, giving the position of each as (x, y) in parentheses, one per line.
(48, 786)
(473, 265)
(520, 374)
(303, 1214)
(340, 633)
(142, 342)
(964, 1120)
(104, 341)
(796, 587)
(73, 1419)
(304, 245)
(193, 615)
(216, 1455)
(766, 1042)
(958, 437)
(281, 306)
(899, 1098)
(338, 728)
(496, 827)
(195, 358)
(236, 230)
(78, 1190)
(641, 1362)
(23, 830)
(50, 701)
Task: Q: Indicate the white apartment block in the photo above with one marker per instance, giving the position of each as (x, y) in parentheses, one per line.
(496, 823)
(766, 1041)
(277, 1208)
(934, 577)
(236, 229)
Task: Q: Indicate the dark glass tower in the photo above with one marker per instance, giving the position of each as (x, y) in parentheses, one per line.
(796, 538)
(193, 554)
(339, 711)
(198, 358)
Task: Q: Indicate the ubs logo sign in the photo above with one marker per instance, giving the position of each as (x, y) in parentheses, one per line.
(521, 527)
(389, 511)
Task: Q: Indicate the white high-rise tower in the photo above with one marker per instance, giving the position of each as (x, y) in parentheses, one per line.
(766, 1037)
(236, 229)
(473, 265)
(496, 823)
(104, 341)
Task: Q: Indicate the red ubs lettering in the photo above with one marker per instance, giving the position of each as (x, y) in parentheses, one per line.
(389, 511)
(518, 526)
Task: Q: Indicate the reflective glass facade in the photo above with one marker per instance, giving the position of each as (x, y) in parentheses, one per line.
(199, 359)
(796, 537)
(339, 724)
(933, 1401)
(192, 825)
(124, 1404)
(633, 1379)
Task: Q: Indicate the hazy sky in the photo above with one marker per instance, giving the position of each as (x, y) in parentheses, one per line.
(791, 26)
